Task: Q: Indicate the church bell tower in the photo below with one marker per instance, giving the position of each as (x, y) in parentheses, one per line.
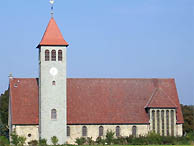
(52, 84)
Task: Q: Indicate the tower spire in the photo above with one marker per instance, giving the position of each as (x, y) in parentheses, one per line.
(52, 7)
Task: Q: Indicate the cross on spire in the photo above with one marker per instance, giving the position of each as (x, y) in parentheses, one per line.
(52, 7)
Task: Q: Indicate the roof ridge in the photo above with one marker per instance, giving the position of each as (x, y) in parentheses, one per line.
(126, 78)
(104, 78)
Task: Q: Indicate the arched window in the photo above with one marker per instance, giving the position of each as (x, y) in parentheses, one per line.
(53, 114)
(53, 83)
(172, 122)
(134, 131)
(47, 56)
(84, 131)
(167, 123)
(68, 131)
(153, 121)
(162, 115)
(117, 131)
(60, 55)
(53, 55)
(101, 131)
(158, 121)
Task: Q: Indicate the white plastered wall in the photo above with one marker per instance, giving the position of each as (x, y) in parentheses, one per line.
(179, 128)
(52, 96)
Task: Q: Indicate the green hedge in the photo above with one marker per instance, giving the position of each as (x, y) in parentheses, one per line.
(150, 139)
(109, 139)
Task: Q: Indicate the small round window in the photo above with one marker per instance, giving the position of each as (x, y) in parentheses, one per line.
(29, 135)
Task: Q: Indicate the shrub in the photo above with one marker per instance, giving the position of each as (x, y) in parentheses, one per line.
(33, 143)
(89, 141)
(4, 141)
(14, 138)
(129, 139)
(169, 140)
(42, 142)
(21, 140)
(54, 140)
(141, 140)
(17, 140)
(120, 140)
(153, 138)
(190, 136)
(100, 140)
(109, 137)
(182, 140)
(80, 141)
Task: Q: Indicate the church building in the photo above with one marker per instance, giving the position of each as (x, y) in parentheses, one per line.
(55, 105)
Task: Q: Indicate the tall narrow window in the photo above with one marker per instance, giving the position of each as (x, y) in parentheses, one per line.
(68, 131)
(167, 123)
(134, 131)
(47, 56)
(53, 114)
(172, 122)
(153, 121)
(118, 131)
(162, 115)
(60, 55)
(158, 121)
(53, 83)
(84, 131)
(101, 131)
(53, 55)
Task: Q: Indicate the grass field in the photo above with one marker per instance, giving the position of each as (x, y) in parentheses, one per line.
(127, 145)
(136, 145)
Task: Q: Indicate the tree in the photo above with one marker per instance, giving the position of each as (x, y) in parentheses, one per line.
(188, 115)
(4, 104)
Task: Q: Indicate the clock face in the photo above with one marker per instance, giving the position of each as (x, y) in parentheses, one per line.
(53, 71)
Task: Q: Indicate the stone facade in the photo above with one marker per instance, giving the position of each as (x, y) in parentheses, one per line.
(28, 131)
(52, 96)
(31, 131)
(93, 131)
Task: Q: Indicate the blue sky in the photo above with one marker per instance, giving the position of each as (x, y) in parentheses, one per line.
(108, 39)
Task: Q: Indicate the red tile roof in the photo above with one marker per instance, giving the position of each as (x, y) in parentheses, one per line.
(24, 101)
(97, 101)
(52, 35)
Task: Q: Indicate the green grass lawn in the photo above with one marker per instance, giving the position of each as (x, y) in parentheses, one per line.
(132, 145)
(136, 145)
(128, 145)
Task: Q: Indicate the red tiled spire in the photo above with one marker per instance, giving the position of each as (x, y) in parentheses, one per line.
(52, 35)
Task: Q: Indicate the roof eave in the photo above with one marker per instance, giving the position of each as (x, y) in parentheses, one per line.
(160, 107)
(50, 45)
